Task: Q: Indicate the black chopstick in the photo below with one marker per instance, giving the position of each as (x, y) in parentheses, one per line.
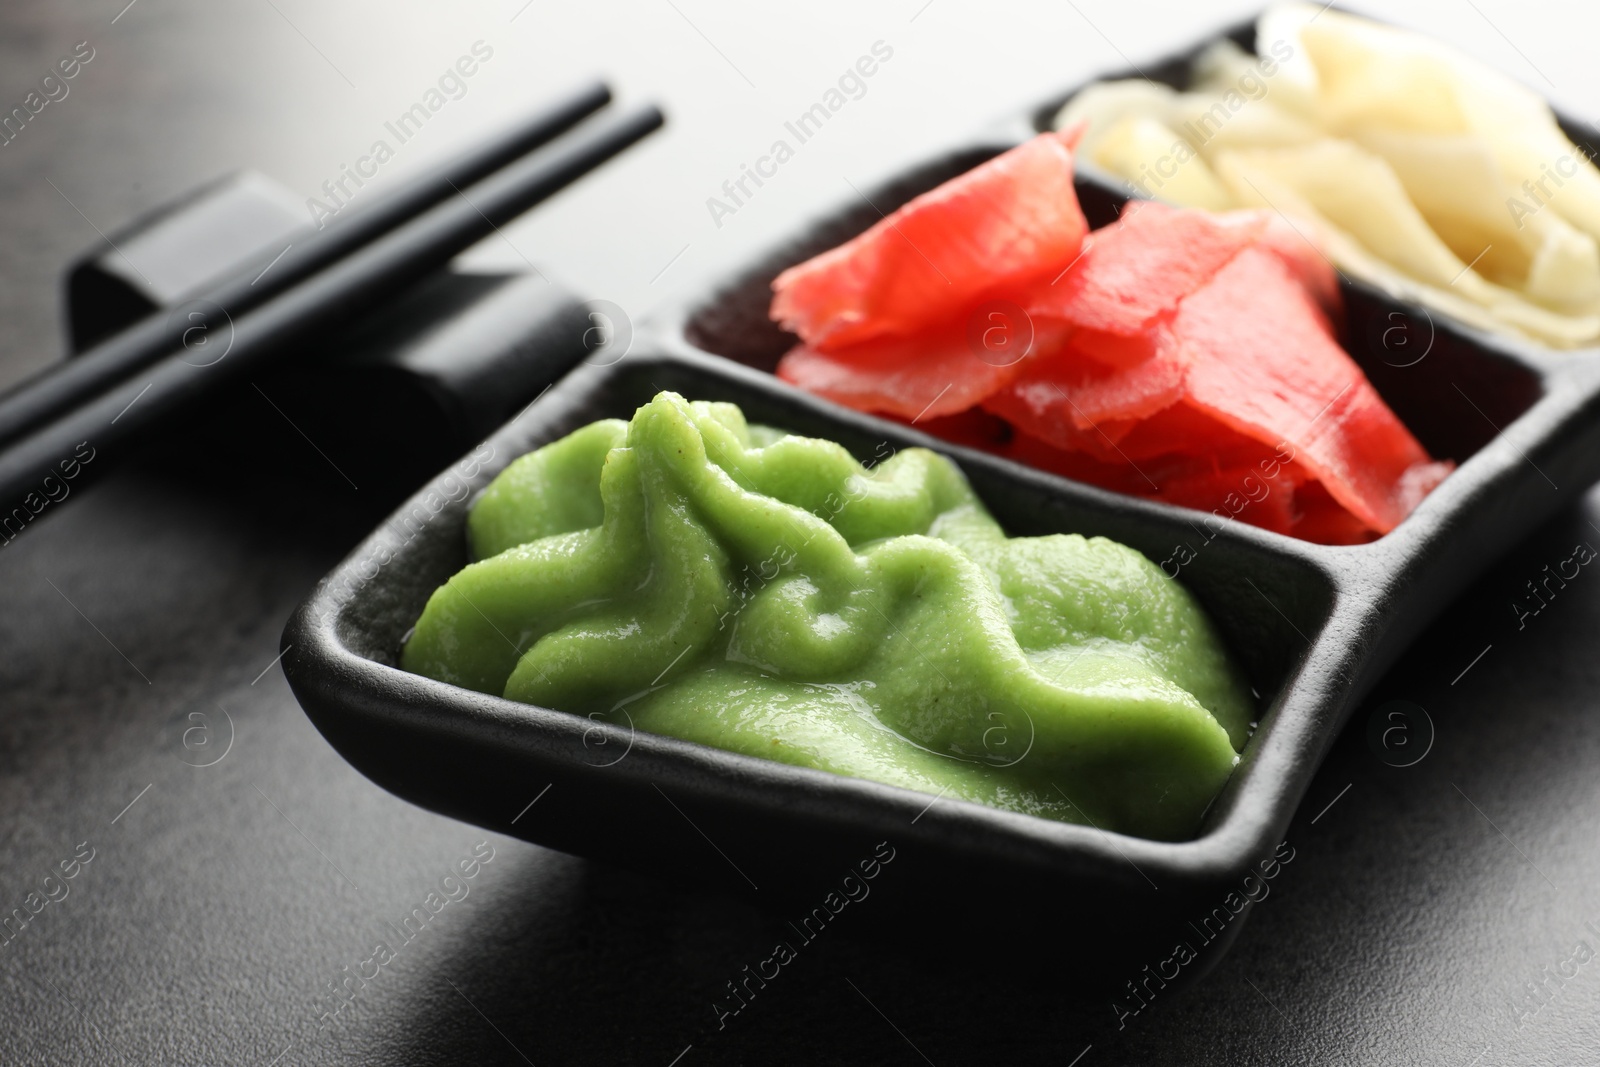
(52, 393)
(355, 284)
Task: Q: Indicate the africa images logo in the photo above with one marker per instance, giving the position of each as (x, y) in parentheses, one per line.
(404, 127)
(737, 191)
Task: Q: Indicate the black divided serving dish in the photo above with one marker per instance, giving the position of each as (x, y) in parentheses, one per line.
(1314, 627)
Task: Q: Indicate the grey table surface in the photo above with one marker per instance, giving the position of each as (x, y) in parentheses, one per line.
(1443, 913)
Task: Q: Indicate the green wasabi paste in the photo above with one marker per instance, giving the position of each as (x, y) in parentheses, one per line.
(766, 594)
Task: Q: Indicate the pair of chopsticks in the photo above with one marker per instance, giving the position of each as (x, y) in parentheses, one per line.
(121, 387)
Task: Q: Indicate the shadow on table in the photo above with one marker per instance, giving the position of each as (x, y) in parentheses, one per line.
(626, 968)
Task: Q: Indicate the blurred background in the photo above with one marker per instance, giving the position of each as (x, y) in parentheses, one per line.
(181, 92)
(223, 900)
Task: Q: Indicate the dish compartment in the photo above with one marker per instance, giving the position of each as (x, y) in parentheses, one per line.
(751, 825)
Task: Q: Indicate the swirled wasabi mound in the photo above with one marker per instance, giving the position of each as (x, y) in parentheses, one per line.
(763, 593)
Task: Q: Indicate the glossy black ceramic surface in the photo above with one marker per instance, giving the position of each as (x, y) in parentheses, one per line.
(1315, 626)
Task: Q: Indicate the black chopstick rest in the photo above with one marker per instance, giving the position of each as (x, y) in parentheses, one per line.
(416, 383)
(52, 394)
(393, 396)
(49, 417)
(192, 244)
